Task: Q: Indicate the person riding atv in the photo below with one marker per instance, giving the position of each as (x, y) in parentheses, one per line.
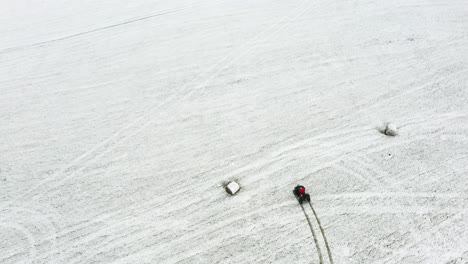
(301, 195)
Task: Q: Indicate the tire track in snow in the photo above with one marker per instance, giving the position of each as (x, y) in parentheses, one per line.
(353, 173)
(151, 251)
(219, 243)
(30, 238)
(314, 236)
(358, 172)
(322, 231)
(355, 133)
(350, 210)
(414, 89)
(293, 149)
(367, 195)
(147, 252)
(372, 147)
(351, 148)
(127, 22)
(369, 149)
(434, 231)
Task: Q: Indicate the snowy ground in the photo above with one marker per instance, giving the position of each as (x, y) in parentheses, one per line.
(120, 121)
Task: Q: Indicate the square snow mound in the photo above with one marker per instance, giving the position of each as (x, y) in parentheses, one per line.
(232, 188)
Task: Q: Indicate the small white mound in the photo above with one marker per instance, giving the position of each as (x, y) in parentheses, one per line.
(391, 130)
(232, 188)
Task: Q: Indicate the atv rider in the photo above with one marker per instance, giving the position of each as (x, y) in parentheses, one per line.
(301, 195)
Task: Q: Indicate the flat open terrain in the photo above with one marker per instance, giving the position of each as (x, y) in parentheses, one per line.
(121, 120)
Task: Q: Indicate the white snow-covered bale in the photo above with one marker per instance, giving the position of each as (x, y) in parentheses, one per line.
(391, 130)
(232, 188)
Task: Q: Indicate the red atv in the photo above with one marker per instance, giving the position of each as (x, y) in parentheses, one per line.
(301, 195)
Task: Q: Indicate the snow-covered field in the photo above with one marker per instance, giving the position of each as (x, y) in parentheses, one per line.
(121, 120)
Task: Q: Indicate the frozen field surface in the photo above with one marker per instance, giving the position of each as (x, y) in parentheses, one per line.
(121, 121)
